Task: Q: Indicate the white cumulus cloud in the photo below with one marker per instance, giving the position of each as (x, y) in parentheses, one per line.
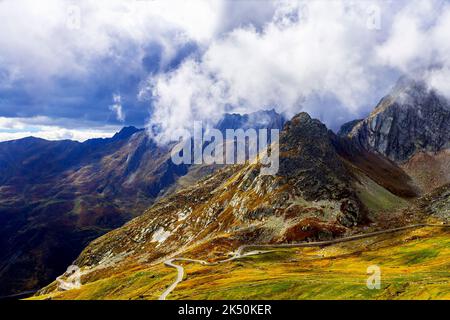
(51, 129)
(117, 108)
(333, 59)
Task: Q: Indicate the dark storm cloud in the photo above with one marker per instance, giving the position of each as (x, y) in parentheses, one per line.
(66, 61)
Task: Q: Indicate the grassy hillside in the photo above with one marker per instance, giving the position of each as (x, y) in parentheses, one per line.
(414, 265)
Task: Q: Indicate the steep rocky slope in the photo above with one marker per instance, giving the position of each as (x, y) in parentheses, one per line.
(412, 261)
(412, 118)
(410, 126)
(311, 197)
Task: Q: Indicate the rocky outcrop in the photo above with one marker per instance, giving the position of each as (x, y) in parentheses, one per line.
(309, 160)
(347, 127)
(437, 203)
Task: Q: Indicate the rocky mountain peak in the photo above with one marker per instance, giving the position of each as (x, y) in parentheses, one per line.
(309, 161)
(311, 169)
(306, 151)
(411, 119)
(126, 132)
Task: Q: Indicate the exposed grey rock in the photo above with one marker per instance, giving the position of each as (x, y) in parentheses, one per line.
(350, 213)
(412, 118)
(347, 127)
(438, 203)
(260, 213)
(309, 161)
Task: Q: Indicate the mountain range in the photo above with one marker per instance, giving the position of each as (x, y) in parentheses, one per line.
(124, 205)
(57, 196)
(375, 174)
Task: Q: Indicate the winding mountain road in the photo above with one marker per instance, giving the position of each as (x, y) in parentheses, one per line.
(257, 250)
(179, 278)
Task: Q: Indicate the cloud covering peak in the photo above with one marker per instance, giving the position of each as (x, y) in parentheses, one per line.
(175, 61)
(333, 59)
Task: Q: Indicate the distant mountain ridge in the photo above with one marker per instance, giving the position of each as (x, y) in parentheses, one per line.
(57, 196)
(261, 119)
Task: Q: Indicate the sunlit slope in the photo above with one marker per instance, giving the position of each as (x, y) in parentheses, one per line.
(414, 265)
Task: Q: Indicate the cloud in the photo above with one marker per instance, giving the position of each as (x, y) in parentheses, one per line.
(65, 58)
(51, 129)
(117, 108)
(57, 133)
(65, 36)
(333, 59)
(175, 61)
(305, 53)
(418, 43)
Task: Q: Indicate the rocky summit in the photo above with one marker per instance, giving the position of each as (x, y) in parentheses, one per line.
(412, 118)
(411, 127)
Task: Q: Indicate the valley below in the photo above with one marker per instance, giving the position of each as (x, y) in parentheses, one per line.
(414, 264)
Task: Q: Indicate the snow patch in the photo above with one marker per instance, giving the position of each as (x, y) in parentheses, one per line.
(160, 235)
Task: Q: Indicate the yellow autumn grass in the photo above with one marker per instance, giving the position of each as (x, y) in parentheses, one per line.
(414, 265)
